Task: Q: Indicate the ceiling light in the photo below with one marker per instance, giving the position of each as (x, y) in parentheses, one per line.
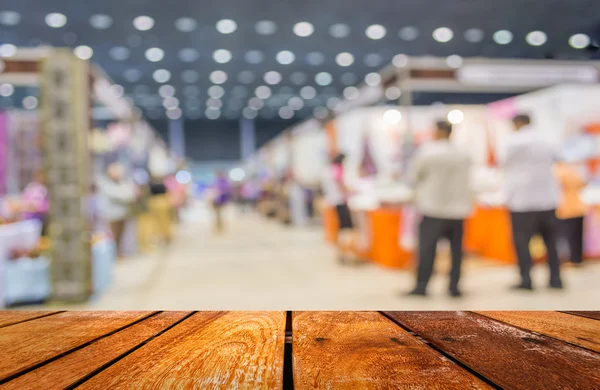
(214, 103)
(265, 27)
(8, 50)
(6, 90)
(456, 116)
(474, 35)
(256, 103)
(308, 92)
(272, 77)
(285, 57)
(393, 93)
(117, 90)
(166, 91)
(263, 92)
(332, 103)
(246, 77)
(339, 30)
(190, 76)
(218, 77)
(170, 103)
(132, 75)
(286, 112)
(101, 21)
(298, 78)
(351, 93)
(188, 55)
(216, 92)
(226, 26)
(503, 37)
(443, 34)
(30, 102)
(408, 33)
(323, 78)
(174, 113)
(321, 113)
(373, 60)
(56, 20)
(83, 52)
(119, 53)
(249, 113)
(254, 57)
(349, 78)
(186, 24)
(315, 58)
(155, 54)
(400, 60)
(303, 29)
(212, 113)
(344, 59)
(392, 117)
(373, 79)
(536, 38)
(296, 103)
(376, 31)
(10, 18)
(161, 75)
(222, 56)
(454, 61)
(580, 41)
(143, 23)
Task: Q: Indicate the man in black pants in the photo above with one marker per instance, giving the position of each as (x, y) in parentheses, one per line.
(440, 177)
(532, 197)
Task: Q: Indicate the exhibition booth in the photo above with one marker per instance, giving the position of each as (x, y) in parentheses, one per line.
(82, 122)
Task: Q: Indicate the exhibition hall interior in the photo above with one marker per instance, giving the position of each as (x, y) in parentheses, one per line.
(314, 155)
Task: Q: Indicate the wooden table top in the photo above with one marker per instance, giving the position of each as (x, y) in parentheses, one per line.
(302, 350)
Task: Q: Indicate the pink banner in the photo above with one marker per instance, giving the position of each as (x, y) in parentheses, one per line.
(504, 109)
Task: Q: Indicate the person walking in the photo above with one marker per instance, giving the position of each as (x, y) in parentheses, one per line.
(571, 209)
(532, 197)
(439, 175)
(222, 195)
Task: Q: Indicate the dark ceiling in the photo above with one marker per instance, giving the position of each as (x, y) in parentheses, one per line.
(559, 19)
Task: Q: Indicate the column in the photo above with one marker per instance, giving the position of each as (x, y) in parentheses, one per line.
(247, 137)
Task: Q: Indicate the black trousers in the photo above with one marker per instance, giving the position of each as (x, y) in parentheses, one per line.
(571, 230)
(524, 226)
(431, 230)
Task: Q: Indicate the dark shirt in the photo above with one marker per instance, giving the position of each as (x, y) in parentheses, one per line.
(158, 189)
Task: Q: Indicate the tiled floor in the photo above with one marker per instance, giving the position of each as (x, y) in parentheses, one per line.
(260, 264)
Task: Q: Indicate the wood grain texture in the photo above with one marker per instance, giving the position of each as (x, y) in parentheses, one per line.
(29, 343)
(595, 315)
(507, 356)
(365, 350)
(13, 317)
(206, 351)
(580, 331)
(66, 371)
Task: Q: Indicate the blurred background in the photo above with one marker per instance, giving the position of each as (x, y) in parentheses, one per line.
(176, 155)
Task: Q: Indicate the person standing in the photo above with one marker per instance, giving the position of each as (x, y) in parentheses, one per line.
(571, 209)
(222, 195)
(440, 177)
(532, 197)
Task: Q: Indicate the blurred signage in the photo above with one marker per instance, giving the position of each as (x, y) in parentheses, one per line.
(526, 75)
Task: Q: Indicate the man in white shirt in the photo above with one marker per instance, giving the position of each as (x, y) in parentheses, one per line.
(440, 177)
(532, 196)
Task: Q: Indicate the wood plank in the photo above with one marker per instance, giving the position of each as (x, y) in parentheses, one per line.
(595, 315)
(365, 350)
(70, 369)
(580, 331)
(213, 350)
(15, 316)
(30, 343)
(507, 356)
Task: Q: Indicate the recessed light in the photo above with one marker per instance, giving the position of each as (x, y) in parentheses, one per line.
(8, 50)
(256, 103)
(474, 35)
(303, 29)
(56, 20)
(216, 92)
(351, 93)
(166, 91)
(10, 18)
(296, 103)
(536, 38)
(222, 56)
(344, 59)
(308, 92)
(263, 92)
(174, 113)
(254, 57)
(226, 26)
(400, 60)
(443, 34)
(30, 102)
(190, 76)
(266, 27)
(298, 78)
(373, 60)
(6, 90)
(186, 24)
(212, 113)
(373, 79)
(249, 113)
(321, 112)
(285, 57)
(170, 103)
(143, 23)
(272, 77)
(339, 30)
(454, 61)
(218, 77)
(323, 78)
(161, 75)
(101, 21)
(214, 103)
(315, 58)
(376, 31)
(456, 116)
(246, 77)
(580, 41)
(155, 54)
(409, 33)
(188, 55)
(286, 112)
(83, 52)
(393, 93)
(503, 37)
(332, 103)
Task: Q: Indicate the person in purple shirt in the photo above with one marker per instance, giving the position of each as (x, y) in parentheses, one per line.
(222, 194)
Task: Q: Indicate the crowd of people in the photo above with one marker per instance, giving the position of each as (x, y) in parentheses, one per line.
(542, 195)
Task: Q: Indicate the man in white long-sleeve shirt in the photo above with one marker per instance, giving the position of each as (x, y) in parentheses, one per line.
(532, 196)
